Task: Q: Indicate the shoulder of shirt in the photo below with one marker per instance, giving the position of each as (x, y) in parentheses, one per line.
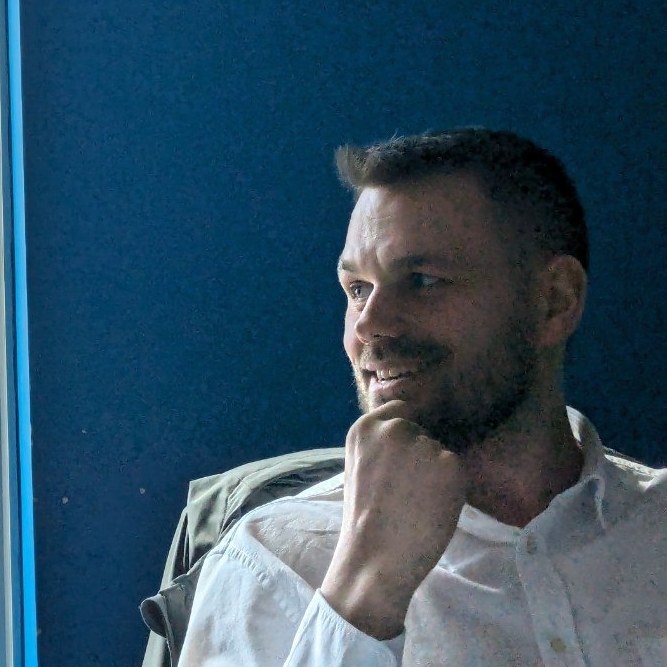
(635, 468)
(633, 489)
(322, 500)
(331, 488)
(327, 491)
(628, 476)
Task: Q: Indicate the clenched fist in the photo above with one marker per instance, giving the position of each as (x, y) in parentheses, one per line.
(403, 496)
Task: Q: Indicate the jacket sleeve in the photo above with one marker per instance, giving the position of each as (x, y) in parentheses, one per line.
(214, 504)
(157, 649)
(246, 614)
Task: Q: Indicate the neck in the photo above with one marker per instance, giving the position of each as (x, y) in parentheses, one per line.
(516, 473)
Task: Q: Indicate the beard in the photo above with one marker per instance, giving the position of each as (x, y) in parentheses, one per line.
(461, 406)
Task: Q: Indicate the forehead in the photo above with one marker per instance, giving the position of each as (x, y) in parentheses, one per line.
(447, 216)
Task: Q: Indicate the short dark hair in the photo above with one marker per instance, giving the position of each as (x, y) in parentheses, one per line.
(516, 174)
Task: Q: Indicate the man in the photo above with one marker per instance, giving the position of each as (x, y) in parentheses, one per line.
(478, 520)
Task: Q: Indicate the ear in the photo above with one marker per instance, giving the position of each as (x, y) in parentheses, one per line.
(562, 297)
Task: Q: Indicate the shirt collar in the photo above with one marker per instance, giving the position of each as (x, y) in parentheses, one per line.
(593, 472)
(592, 480)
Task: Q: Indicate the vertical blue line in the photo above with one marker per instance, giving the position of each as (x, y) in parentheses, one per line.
(21, 314)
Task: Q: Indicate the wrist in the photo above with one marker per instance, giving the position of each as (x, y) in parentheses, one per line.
(367, 602)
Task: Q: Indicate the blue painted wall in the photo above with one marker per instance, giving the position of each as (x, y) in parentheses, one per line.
(184, 219)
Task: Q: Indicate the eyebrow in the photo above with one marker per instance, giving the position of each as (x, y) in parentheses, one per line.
(407, 262)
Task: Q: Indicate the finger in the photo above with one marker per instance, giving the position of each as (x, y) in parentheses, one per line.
(395, 409)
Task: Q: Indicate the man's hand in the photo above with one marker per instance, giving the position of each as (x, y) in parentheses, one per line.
(402, 500)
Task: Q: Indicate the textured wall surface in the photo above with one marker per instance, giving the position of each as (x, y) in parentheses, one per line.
(184, 221)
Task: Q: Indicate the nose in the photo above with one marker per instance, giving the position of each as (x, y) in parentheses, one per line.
(382, 316)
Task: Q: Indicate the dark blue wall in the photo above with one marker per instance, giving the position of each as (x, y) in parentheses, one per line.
(184, 220)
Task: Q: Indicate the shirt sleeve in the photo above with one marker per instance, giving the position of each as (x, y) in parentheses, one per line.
(326, 638)
(245, 615)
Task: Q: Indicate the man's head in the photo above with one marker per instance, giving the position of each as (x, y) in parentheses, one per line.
(532, 193)
(464, 267)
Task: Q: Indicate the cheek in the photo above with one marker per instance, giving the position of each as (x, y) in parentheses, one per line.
(351, 343)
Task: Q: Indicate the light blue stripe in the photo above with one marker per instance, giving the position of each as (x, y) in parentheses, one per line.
(21, 314)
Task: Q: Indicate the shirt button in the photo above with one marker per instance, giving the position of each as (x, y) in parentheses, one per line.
(558, 645)
(531, 544)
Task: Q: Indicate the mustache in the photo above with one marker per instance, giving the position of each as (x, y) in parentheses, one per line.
(406, 349)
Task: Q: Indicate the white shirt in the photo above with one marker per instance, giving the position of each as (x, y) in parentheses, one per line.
(584, 584)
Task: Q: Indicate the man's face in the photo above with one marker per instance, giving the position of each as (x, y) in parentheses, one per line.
(436, 312)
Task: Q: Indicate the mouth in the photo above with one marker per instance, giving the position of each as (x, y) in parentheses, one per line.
(390, 374)
(391, 381)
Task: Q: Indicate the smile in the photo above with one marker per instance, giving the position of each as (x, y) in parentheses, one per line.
(391, 381)
(390, 372)
(384, 375)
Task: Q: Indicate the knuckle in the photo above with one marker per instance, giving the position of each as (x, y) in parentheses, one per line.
(361, 426)
(400, 429)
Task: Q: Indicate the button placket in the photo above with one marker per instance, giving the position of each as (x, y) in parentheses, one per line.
(548, 604)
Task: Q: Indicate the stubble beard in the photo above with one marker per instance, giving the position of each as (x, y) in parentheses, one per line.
(468, 407)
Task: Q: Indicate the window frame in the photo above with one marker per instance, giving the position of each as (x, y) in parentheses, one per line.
(18, 617)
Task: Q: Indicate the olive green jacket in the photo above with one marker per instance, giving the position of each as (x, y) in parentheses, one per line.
(214, 504)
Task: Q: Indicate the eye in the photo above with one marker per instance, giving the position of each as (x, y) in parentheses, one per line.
(359, 291)
(423, 280)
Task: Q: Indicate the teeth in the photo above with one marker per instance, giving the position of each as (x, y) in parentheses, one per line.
(390, 373)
